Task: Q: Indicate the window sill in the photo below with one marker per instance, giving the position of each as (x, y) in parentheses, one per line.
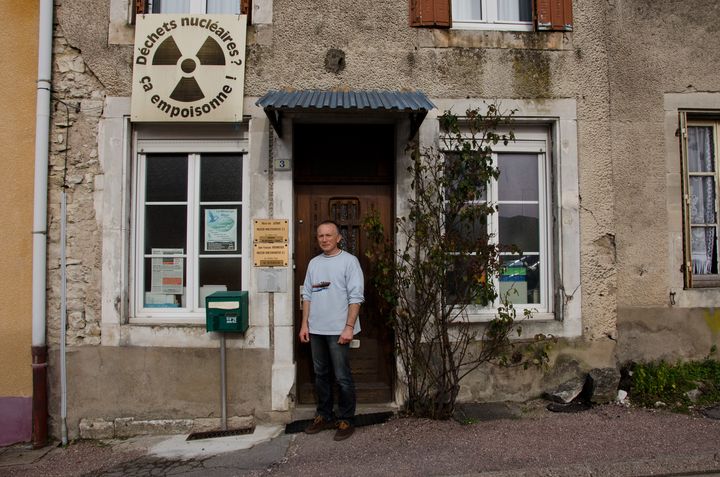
(470, 25)
(520, 318)
(165, 320)
(493, 39)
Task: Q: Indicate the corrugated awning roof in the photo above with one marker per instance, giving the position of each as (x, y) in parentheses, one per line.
(413, 102)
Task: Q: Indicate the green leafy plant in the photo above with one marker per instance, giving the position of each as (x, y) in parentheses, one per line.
(444, 262)
(670, 384)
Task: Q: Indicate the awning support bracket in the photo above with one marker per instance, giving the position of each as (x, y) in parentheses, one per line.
(275, 117)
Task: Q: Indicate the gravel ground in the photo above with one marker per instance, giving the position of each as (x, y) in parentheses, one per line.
(603, 437)
(605, 440)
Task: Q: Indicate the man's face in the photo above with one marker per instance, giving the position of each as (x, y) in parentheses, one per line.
(328, 238)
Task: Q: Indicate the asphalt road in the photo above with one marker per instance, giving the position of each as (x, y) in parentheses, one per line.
(606, 440)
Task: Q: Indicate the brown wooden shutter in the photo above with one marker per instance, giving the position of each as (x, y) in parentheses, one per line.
(554, 15)
(246, 9)
(430, 13)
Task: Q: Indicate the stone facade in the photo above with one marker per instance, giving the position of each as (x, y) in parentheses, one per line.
(610, 86)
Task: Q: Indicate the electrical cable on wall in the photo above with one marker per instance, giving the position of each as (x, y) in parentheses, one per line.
(63, 278)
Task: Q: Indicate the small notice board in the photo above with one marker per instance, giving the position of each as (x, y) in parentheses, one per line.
(270, 242)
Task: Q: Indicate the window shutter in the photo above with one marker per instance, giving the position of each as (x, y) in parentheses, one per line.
(430, 13)
(554, 15)
(687, 244)
(246, 9)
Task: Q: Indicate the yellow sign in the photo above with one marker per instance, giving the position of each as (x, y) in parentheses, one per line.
(270, 230)
(189, 67)
(270, 254)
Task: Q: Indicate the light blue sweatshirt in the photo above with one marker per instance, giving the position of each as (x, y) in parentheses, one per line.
(331, 284)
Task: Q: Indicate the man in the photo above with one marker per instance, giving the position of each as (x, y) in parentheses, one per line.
(332, 294)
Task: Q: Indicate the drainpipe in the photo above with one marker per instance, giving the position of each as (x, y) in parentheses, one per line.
(42, 137)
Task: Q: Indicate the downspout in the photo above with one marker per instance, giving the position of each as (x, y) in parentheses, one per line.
(42, 137)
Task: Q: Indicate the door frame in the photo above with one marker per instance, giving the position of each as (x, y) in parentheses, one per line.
(391, 209)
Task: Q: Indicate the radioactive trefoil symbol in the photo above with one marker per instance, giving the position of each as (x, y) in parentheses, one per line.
(188, 90)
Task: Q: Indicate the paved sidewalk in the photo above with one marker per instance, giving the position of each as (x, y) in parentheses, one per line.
(496, 441)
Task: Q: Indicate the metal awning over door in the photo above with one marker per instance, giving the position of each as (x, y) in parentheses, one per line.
(414, 103)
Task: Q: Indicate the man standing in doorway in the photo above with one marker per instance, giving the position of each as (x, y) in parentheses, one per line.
(332, 295)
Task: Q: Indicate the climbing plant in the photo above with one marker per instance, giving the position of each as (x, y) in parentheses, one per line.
(440, 260)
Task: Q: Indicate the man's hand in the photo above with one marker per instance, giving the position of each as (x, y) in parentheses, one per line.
(346, 336)
(304, 334)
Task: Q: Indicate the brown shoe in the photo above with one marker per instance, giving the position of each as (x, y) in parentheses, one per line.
(344, 430)
(319, 424)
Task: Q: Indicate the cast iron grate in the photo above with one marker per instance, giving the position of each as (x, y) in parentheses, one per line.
(360, 420)
(210, 434)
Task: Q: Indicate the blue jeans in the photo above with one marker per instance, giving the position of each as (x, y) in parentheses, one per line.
(330, 357)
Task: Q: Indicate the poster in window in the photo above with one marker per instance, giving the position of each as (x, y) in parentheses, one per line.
(220, 230)
(167, 272)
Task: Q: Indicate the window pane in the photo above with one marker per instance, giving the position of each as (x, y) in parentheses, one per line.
(219, 226)
(170, 6)
(701, 154)
(702, 200)
(165, 227)
(223, 6)
(519, 226)
(164, 282)
(456, 170)
(704, 250)
(218, 272)
(518, 177)
(469, 229)
(520, 279)
(467, 10)
(221, 178)
(166, 178)
(514, 10)
(465, 273)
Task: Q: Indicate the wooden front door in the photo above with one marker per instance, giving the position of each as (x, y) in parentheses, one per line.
(373, 363)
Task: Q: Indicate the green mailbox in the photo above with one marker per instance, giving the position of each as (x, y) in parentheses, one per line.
(227, 311)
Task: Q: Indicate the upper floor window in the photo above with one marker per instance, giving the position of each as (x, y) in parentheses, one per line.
(700, 163)
(193, 6)
(492, 14)
(517, 15)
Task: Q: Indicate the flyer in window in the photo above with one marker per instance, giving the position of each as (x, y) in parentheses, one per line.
(220, 230)
(167, 272)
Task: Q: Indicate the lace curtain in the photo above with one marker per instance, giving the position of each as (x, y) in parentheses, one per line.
(514, 10)
(223, 6)
(701, 159)
(183, 6)
(467, 9)
(507, 10)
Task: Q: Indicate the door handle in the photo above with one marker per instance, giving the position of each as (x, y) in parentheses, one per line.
(300, 298)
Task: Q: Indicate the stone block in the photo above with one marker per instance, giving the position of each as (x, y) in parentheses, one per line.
(206, 424)
(566, 391)
(129, 427)
(604, 383)
(96, 429)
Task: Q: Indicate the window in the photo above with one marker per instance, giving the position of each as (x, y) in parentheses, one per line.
(194, 6)
(517, 15)
(189, 218)
(522, 195)
(232, 7)
(492, 14)
(701, 203)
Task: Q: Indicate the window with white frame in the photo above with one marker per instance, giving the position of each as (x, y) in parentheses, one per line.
(188, 230)
(492, 14)
(522, 224)
(194, 6)
(700, 164)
